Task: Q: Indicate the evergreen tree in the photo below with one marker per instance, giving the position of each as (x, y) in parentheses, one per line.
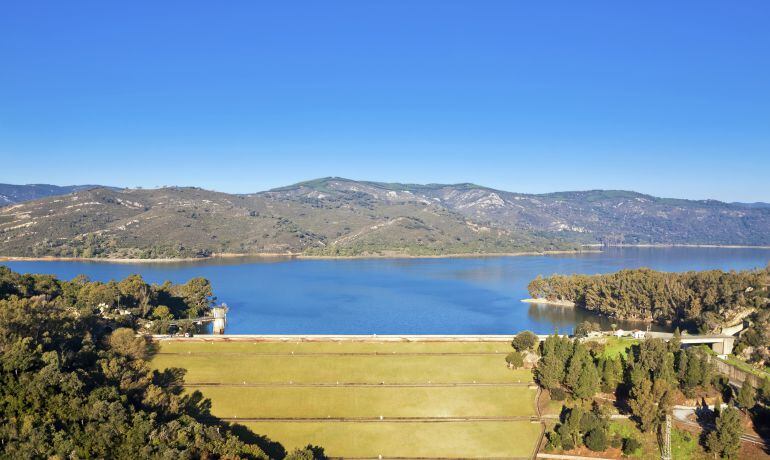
(577, 362)
(725, 441)
(642, 403)
(596, 440)
(554, 352)
(681, 364)
(747, 396)
(693, 375)
(764, 391)
(612, 374)
(569, 429)
(588, 381)
(676, 341)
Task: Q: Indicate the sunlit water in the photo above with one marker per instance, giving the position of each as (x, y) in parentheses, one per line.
(400, 296)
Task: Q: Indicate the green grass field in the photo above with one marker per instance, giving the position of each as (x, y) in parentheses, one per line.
(615, 346)
(346, 346)
(425, 440)
(419, 378)
(232, 401)
(213, 368)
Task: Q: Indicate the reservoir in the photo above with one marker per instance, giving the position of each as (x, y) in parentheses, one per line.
(400, 296)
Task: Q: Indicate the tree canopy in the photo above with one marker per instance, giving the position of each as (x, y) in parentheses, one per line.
(75, 383)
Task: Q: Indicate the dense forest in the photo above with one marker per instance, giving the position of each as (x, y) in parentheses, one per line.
(646, 381)
(75, 381)
(704, 301)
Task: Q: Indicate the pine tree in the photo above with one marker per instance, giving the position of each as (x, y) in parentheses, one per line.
(580, 357)
(642, 403)
(764, 391)
(676, 341)
(612, 374)
(588, 382)
(725, 441)
(747, 396)
(550, 370)
(693, 376)
(666, 370)
(569, 430)
(681, 365)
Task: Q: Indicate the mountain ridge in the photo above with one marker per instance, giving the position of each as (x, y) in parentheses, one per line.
(342, 217)
(12, 193)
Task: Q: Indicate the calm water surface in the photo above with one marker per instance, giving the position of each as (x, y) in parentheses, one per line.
(400, 296)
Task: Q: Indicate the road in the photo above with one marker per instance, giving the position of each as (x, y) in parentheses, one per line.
(684, 415)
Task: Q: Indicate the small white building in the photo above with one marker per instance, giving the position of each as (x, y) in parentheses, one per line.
(637, 334)
(620, 333)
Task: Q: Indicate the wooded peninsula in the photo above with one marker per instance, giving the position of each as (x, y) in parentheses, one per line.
(705, 301)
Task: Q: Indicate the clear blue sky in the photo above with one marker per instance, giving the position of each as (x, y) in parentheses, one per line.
(670, 98)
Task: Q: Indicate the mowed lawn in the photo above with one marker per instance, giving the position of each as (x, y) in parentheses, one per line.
(342, 346)
(410, 439)
(287, 402)
(214, 368)
(253, 380)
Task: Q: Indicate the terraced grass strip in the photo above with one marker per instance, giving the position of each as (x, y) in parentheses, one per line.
(371, 402)
(342, 346)
(352, 369)
(485, 439)
(349, 384)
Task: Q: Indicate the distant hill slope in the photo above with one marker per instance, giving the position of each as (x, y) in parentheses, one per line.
(335, 216)
(12, 194)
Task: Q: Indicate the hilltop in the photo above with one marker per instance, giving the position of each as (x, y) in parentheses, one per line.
(336, 216)
(12, 194)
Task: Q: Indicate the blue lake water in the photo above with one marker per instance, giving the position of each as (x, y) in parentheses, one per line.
(400, 296)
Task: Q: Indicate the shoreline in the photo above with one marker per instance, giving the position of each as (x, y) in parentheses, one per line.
(590, 249)
(677, 245)
(293, 256)
(556, 303)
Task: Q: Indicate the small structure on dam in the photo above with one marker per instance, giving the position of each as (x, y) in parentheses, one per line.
(219, 315)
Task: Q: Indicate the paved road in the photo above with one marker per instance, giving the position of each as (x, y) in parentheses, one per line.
(684, 414)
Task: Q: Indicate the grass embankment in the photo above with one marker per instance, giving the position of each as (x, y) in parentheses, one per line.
(412, 439)
(329, 346)
(343, 380)
(618, 346)
(377, 369)
(388, 402)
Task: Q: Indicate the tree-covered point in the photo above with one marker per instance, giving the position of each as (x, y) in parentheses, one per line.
(74, 383)
(645, 383)
(705, 299)
(130, 302)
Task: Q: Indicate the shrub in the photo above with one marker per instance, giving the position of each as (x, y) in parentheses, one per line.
(596, 440)
(631, 445)
(124, 341)
(515, 359)
(525, 340)
(554, 441)
(558, 394)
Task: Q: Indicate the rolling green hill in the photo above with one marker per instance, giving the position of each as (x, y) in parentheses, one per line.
(335, 216)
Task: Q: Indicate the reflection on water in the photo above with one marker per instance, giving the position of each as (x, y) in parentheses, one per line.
(400, 296)
(565, 318)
